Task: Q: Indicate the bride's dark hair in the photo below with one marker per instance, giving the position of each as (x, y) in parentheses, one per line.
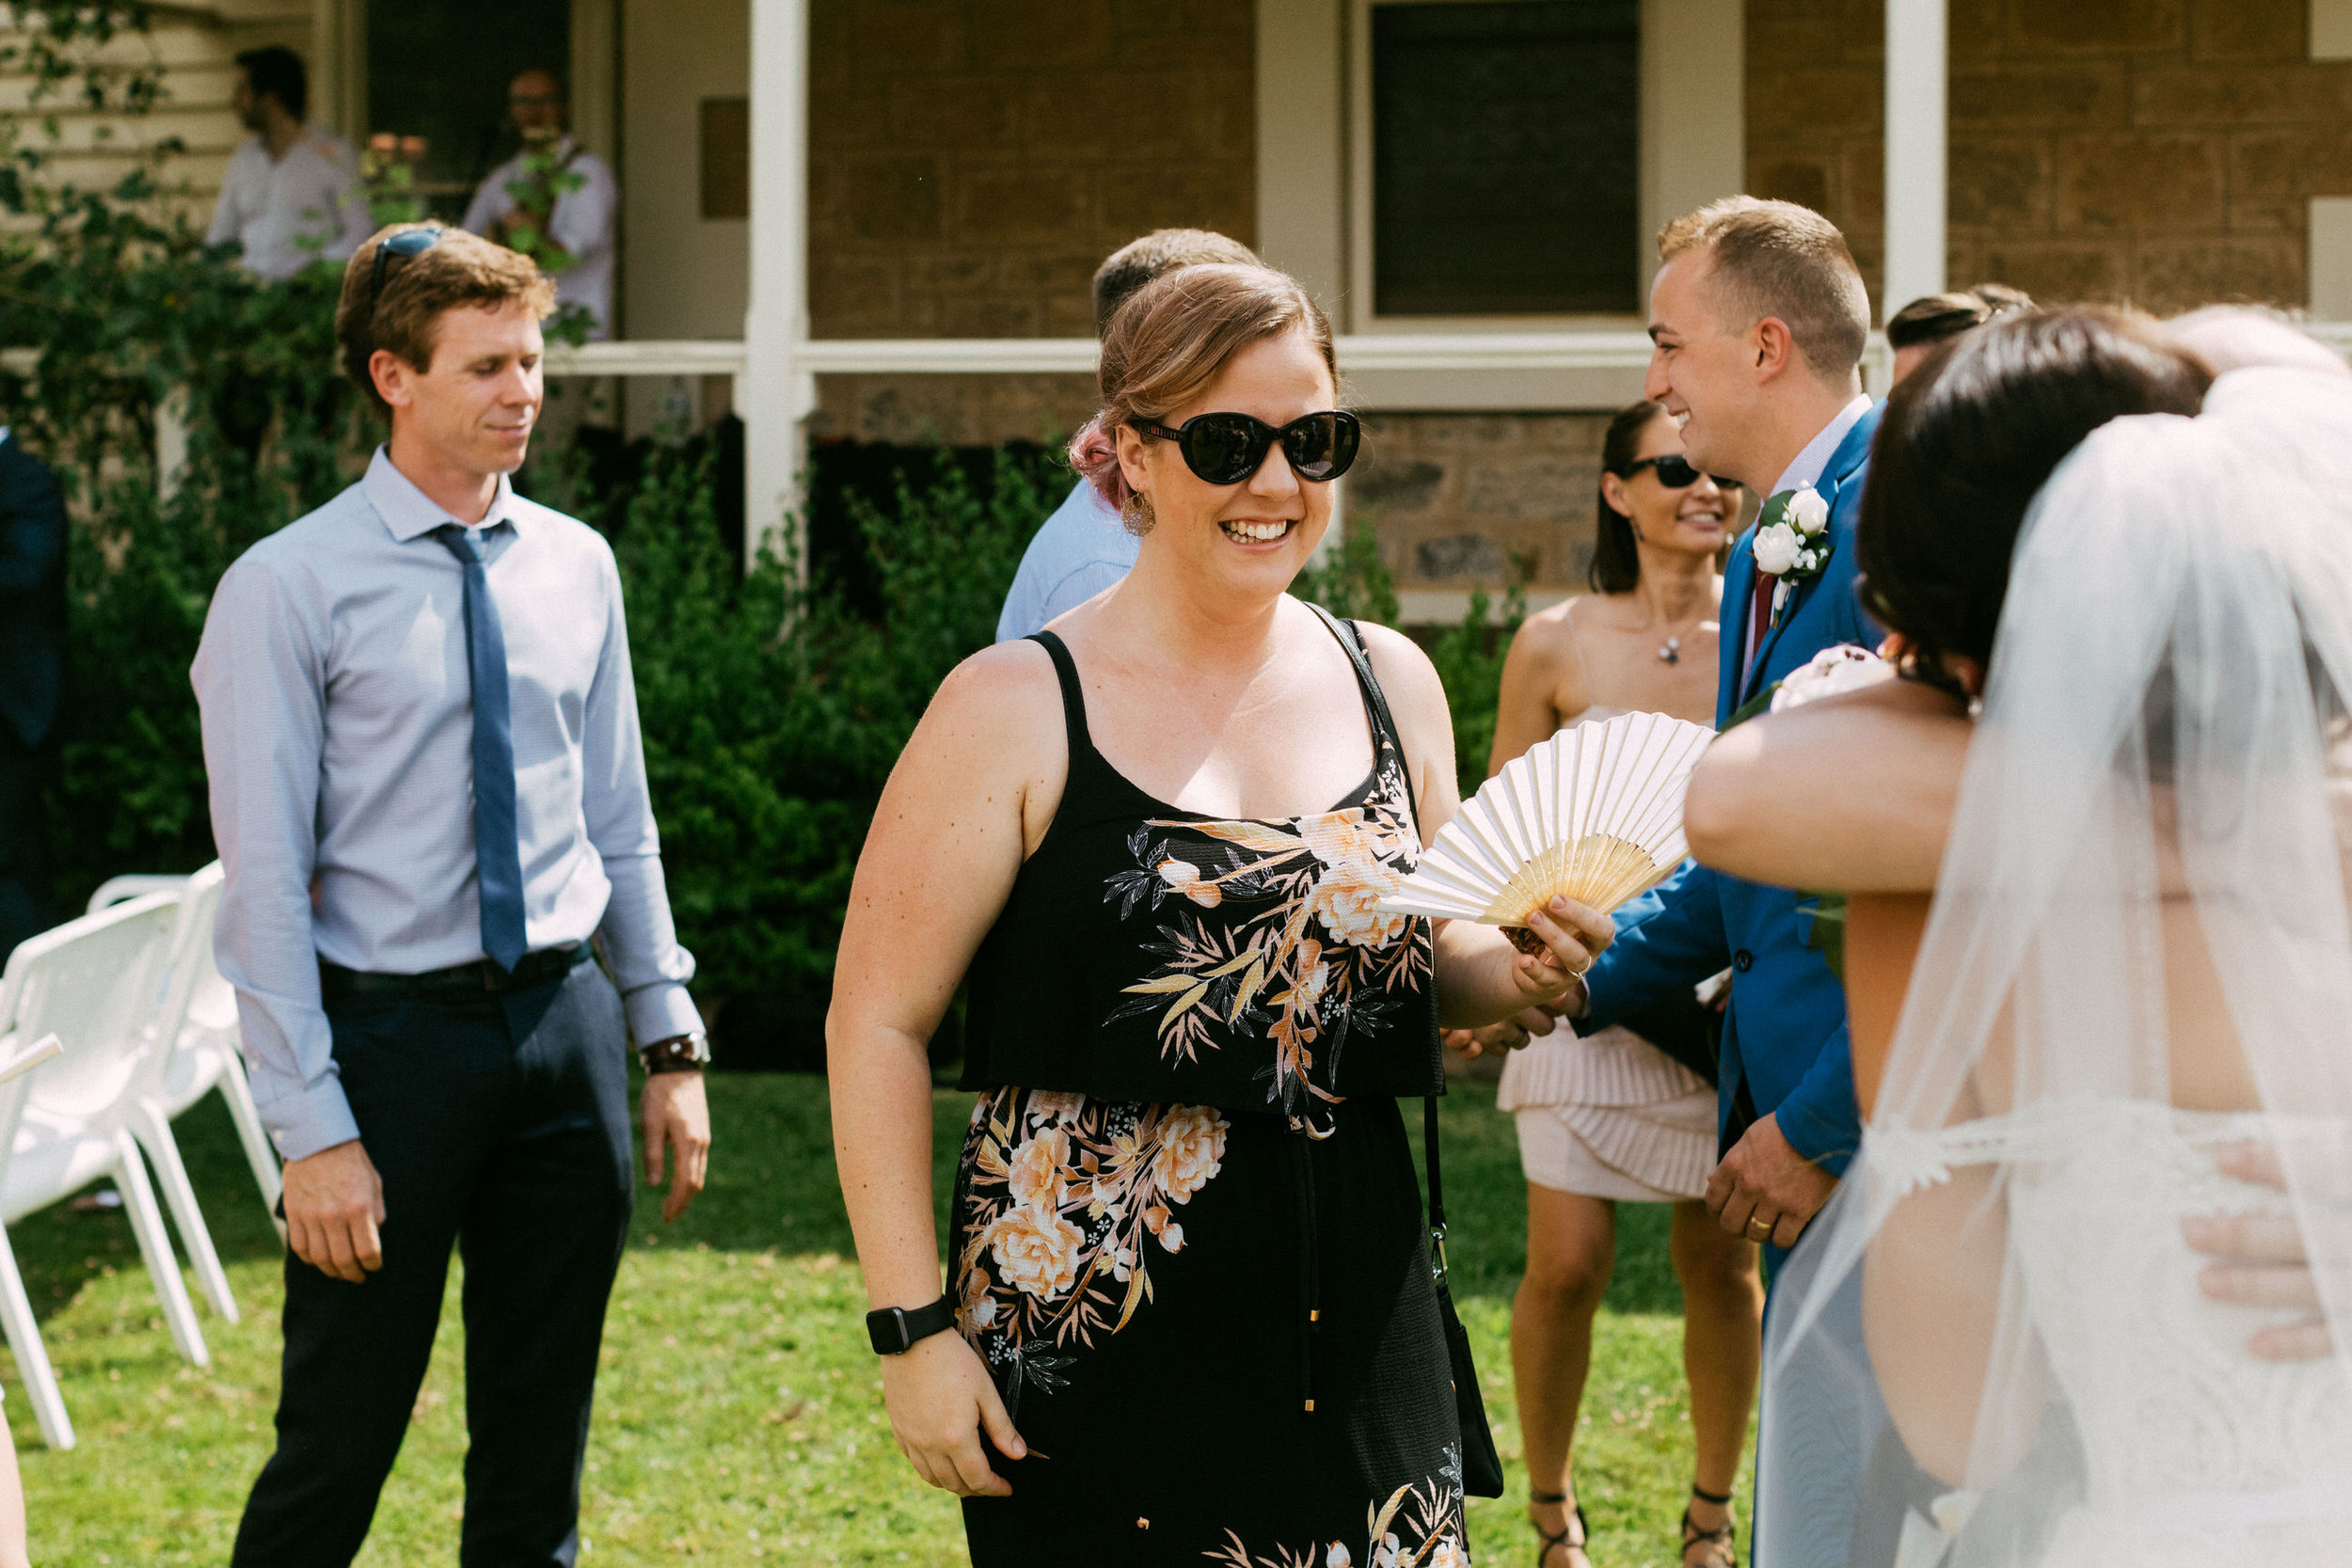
(1967, 441)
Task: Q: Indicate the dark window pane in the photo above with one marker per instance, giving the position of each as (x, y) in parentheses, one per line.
(439, 68)
(1505, 157)
(726, 125)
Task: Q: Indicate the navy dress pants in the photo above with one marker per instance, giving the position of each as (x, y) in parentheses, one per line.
(500, 1125)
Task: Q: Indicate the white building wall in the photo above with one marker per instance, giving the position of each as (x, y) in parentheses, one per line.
(682, 275)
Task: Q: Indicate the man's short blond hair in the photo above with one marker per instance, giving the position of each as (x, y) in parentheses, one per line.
(457, 269)
(1779, 259)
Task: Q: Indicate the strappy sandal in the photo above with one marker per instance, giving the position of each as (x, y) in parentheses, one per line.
(1547, 1540)
(1717, 1542)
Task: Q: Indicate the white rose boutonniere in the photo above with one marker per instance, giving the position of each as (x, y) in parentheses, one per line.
(1776, 549)
(1797, 524)
(1792, 542)
(1808, 512)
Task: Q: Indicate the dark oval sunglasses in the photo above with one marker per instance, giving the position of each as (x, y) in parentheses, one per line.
(1226, 448)
(407, 243)
(1674, 472)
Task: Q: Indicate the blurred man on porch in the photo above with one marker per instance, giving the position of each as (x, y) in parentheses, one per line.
(292, 195)
(1083, 547)
(561, 194)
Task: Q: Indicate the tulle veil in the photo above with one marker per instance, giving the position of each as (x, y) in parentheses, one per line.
(2163, 729)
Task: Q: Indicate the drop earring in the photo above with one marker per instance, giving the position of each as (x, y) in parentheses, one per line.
(1136, 515)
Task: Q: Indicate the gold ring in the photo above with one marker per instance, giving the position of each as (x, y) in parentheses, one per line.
(1754, 1220)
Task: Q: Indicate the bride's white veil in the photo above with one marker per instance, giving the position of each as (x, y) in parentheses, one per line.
(2146, 875)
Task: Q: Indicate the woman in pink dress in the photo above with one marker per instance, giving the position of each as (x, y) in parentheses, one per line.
(1612, 1119)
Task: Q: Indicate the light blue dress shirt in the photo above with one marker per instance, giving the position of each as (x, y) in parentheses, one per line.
(1080, 551)
(338, 737)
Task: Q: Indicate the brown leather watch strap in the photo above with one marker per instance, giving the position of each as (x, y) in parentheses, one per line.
(683, 1053)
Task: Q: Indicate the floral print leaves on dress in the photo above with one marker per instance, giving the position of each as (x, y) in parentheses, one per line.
(1064, 1198)
(1419, 1527)
(1277, 935)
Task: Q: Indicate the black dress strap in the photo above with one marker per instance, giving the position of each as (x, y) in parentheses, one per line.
(1073, 697)
(1352, 639)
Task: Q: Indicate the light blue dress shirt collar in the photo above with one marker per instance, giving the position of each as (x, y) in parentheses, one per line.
(1808, 469)
(408, 512)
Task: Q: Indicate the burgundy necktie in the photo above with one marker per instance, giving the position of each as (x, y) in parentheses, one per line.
(1759, 622)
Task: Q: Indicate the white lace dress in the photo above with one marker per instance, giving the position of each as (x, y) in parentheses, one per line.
(2194, 1452)
(1609, 1116)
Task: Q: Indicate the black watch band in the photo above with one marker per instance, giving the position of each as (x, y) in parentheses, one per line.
(895, 1330)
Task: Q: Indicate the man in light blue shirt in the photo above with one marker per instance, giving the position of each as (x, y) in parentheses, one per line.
(429, 794)
(1083, 547)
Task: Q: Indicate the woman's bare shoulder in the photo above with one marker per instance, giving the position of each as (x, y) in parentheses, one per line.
(1547, 633)
(1003, 699)
(1404, 670)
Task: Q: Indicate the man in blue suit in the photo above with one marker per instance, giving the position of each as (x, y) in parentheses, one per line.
(32, 678)
(1759, 317)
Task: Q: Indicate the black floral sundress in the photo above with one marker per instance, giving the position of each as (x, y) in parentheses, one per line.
(1187, 1235)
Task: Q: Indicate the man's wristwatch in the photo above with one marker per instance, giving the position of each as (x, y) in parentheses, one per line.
(679, 1053)
(895, 1330)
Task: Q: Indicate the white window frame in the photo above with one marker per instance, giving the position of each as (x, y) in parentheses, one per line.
(2331, 29)
(2330, 282)
(1693, 146)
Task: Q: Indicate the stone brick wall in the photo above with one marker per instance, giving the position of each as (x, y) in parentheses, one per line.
(973, 161)
(1454, 497)
(2162, 151)
(960, 410)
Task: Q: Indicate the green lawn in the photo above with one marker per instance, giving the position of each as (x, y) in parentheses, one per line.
(739, 1417)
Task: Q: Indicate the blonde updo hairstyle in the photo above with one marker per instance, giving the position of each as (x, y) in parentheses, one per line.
(1171, 339)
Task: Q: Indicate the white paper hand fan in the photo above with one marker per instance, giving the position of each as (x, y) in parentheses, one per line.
(1594, 812)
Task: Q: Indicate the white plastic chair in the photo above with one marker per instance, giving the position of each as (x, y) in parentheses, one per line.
(208, 1050)
(94, 983)
(186, 961)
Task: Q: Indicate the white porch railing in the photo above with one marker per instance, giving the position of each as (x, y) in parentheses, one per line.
(1381, 358)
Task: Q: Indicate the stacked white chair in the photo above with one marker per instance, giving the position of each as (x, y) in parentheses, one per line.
(96, 984)
(207, 1051)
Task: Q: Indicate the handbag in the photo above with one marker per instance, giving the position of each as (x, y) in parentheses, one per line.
(1482, 1467)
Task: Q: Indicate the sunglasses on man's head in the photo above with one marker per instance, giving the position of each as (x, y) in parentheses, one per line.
(407, 243)
(1674, 472)
(1226, 448)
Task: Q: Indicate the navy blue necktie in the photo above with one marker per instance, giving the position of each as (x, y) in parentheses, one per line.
(497, 855)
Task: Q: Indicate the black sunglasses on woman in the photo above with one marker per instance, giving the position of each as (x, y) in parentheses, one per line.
(1226, 448)
(1674, 472)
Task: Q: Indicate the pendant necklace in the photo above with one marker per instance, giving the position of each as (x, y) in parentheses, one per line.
(1672, 652)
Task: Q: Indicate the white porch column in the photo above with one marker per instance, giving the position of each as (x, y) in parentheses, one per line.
(1915, 122)
(775, 394)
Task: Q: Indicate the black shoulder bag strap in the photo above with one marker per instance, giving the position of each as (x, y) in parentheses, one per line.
(1482, 1465)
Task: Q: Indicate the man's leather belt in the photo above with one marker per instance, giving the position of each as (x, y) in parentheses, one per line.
(546, 965)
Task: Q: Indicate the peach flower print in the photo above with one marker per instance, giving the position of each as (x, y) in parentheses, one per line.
(1036, 1250)
(1171, 1235)
(1040, 1169)
(1347, 900)
(1344, 837)
(978, 1309)
(1184, 878)
(1060, 1109)
(1192, 1142)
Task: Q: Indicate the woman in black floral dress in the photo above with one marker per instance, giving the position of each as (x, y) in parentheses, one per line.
(1195, 1317)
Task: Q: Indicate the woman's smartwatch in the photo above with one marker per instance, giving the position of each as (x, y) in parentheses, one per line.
(895, 1330)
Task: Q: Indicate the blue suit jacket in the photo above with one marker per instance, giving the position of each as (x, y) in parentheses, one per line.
(1784, 1036)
